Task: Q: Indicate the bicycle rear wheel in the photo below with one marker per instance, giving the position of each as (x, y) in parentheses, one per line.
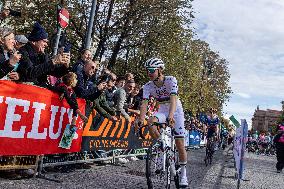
(207, 156)
(211, 150)
(154, 171)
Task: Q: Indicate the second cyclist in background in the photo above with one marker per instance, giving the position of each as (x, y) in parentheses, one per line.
(212, 121)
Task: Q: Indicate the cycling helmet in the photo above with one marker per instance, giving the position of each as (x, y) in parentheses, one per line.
(154, 63)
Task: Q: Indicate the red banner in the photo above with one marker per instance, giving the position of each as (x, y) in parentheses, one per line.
(32, 120)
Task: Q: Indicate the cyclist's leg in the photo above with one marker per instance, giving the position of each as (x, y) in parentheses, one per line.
(156, 118)
(179, 140)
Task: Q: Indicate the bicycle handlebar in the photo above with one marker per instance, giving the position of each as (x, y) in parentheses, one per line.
(139, 133)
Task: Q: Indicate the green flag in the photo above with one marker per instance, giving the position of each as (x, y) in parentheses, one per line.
(235, 122)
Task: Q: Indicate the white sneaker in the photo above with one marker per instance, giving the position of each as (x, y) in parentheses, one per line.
(183, 182)
(121, 160)
(132, 158)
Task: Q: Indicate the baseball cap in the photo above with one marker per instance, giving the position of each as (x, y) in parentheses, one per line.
(21, 39)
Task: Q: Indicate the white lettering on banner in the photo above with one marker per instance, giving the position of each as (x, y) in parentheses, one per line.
(54, 110)
(52, 135)
(62, 112)
(70, 114)
(11, 117)
(34, 132)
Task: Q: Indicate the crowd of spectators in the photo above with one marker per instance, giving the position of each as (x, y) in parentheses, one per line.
(23, 58)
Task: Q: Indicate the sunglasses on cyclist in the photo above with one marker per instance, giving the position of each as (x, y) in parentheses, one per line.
(151, 70)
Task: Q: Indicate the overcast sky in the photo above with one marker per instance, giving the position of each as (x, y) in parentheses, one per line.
(250, 35)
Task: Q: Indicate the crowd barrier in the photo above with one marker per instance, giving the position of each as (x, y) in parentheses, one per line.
(32, 120)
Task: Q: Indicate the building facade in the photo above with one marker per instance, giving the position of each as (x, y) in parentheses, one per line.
(263, 120)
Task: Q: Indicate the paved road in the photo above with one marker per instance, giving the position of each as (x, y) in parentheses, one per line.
(260, 173)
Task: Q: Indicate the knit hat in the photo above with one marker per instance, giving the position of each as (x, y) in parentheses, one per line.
(38, 33)
(21, 39)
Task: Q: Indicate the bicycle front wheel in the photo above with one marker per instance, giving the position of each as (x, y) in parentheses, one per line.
(158, 172)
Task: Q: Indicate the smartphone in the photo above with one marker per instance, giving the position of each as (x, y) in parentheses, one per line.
(15, 13)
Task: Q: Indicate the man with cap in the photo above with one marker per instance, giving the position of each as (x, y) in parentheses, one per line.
(21, 40)
(35, 65)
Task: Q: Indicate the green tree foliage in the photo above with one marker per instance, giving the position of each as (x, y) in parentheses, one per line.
(132, 31)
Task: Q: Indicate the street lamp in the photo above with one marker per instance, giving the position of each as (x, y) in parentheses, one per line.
(90, 25)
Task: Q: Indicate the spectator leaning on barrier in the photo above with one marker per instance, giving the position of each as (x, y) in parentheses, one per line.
(35, 65)
(100, 104)
(111, 88)
(86, 88)
(65, 89)
(120, 97)
(9, 57)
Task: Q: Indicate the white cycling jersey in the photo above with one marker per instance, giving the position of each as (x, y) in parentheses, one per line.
(162, 95)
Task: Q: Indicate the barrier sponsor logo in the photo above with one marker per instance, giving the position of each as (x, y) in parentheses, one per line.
(103, 134)
(32, 120)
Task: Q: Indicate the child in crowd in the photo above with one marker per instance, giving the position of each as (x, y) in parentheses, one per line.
(65, 88)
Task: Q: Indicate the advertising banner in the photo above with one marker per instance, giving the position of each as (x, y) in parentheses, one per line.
(239, 147)
(103, 134)
(194, 138)
(32, 120)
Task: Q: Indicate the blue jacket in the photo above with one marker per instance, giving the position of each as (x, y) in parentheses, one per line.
(85, 88)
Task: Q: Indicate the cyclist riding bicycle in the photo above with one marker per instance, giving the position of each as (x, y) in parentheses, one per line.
(223, 137)
(212, 121)
(165, 90)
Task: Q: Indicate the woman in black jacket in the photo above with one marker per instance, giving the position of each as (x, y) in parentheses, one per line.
(9, 57)
(279, 143)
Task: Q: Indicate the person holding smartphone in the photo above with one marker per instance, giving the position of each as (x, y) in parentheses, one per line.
(35, 65)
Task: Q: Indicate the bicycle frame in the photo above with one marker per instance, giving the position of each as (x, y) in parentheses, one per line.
(165, 144)
(170, 149)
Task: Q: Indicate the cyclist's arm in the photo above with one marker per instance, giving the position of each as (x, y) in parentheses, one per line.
(173, 97)
(217, 132)
(173, 106)
(143, 110)
(218, 129)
